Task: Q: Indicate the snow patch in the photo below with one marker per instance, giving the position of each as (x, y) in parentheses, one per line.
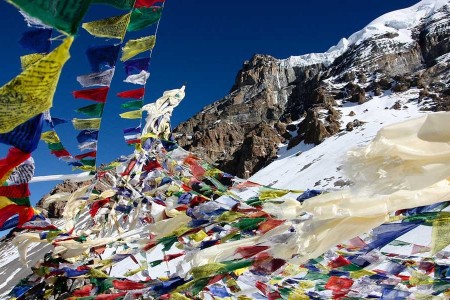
(399, 22)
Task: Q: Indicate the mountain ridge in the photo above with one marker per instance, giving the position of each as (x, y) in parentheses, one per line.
(270, 95)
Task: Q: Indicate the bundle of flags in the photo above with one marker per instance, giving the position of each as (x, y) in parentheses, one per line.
(167, 225)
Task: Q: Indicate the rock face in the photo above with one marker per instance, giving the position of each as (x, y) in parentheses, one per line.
(240, 133)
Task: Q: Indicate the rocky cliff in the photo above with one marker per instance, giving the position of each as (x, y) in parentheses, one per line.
(275, 102)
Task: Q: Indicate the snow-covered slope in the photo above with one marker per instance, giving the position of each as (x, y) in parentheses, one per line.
(399, 22)
(305, 166)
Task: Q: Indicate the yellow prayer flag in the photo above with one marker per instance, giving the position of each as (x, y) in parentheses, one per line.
(440, 236)
(29, 59)
(83, 124)
(134, 114)
(50, 137)
(4, 202)
(199, 236)
(31, 92)
(134, 47)
(114, 27)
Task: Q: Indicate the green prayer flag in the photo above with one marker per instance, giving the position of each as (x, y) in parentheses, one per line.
(63, 15)
(248, 223)
(94, 110)
(144, 17)
(88, 162)
(21, 201)
(55, 146)
(168, 242)
(133, 105)
(120, 4)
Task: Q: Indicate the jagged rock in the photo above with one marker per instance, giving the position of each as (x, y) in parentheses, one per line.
(385, 84)
(354, 124)
(397, 105)
(312, 129)
(352, 113)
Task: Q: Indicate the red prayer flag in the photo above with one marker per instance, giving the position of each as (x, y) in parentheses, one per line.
(169, 257)
(146, 3)
(97, 205)
(339, 285)
(14, 158)
(96, 94)
(250, 251)
(25, 213)
(127, 285)
(269, 225)
(60, 153)
(89, 154)
(110, 296)
(133, 94)
(340, 261)
(83, 291)
(15, 191)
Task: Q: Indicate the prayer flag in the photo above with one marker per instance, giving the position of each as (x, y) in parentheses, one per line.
(99, 78)
(63, 15)
(135, 47)
(94, 110)
(113, 27)
(25, 136)
(133, 94)
(85, 124)
(37, 40)
(102, 57)
(135, 66)
(144, 17)
(146, 3)
(95, 94)
(31, 92)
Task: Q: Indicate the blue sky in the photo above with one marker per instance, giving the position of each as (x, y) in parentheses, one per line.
(201, 43)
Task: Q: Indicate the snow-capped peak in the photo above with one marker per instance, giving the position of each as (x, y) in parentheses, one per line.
(399, 22)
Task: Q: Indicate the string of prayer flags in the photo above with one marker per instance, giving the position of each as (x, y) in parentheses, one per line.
(86, 124)
(135, 66)
(146, 3)
(113, 27)
(25, 136)
(63, 15)
(208, 240)
(135, 47)
(31, 92)
(96, 94)
(96, 79)
(94, 110)
(133, 94)
(37, 40)
(102, 57)
(144, 17)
